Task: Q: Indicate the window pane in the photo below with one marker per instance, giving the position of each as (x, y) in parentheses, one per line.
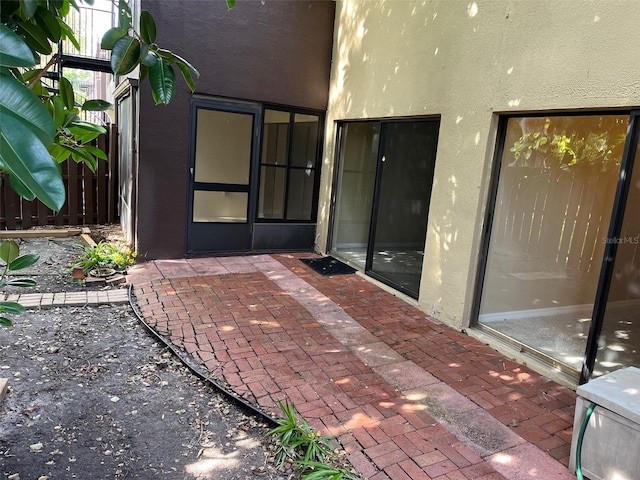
(620, 335)
(223, 147)
(557, 183)
(275, 137)
(358, 154)
(300, 200)
(272, 190)
(406, 178)
(305, 141)
(226, 207)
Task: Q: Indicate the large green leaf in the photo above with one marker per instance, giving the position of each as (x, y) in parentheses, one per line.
(28, 7)
(21, 189)
(21, 282)
(162, 79)
(22, 154)
(17, 101)
(35, 37)
(13, 308)
(66, 93)
(186, 74)
(49, 24)
(5, 322)
(96, 105)
(24, 261)
(9, 251)
(13, 51)
(125, 55)
(147, 27)
(111, 36)
(68, 32)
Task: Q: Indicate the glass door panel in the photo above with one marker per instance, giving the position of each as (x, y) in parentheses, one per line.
(556, 186)
(358, 155)
(619, 340)
(402, 202)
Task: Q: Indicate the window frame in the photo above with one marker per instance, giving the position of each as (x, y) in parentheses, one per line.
(288, 167)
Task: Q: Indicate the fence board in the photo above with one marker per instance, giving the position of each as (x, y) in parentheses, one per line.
(91, 198)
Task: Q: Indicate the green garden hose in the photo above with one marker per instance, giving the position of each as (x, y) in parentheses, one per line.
(585, 422)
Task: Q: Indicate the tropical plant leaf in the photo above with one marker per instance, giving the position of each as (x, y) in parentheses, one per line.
(22, 282)
(22, 154)
(24, 261)
(9, 251)
(66, 93)
(58, 152)
(13, 308)
(186, 74)
(147, 27)
(96, 105)
(35, 37)
(162, 79)
(49, 24)
(68, 32)
(87, 126)
(20, 188)
(17, 101)
(149, 59)
(96, 152)
(59, 111)
(125, 55)
(28, 7)
(14, 52)
(111, 36)
(5, 322)
(124, 15)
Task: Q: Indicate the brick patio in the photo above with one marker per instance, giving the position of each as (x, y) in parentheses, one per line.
(408, 397)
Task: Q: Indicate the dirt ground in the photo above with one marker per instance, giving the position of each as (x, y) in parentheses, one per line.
(93, 395)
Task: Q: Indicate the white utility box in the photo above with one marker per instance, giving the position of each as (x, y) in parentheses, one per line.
(611, 443)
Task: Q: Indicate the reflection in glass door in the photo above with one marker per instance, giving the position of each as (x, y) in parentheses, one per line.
(556, 186)
(615, 338)
(383, 190)
(401, 206)
(358, 157)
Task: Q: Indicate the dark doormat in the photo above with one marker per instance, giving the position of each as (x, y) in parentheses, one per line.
(328, 266)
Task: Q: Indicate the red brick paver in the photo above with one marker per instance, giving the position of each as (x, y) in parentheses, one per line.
(407, 396)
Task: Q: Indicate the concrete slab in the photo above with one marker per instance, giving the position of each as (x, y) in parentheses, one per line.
(405, 375)
(375, 354)
(526, 462)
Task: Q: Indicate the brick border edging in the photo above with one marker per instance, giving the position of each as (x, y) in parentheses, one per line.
(68, 299)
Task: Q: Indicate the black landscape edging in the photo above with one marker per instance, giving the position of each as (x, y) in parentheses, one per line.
(241, 402)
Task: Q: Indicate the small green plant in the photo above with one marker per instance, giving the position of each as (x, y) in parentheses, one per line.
(311, 451)
(117, 256)
(12, 260)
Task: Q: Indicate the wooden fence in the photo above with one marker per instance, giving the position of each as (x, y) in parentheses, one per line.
(557, 216)
(91, 198)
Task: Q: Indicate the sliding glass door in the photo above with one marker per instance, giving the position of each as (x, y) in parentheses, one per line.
(383, 190)
(556, 181)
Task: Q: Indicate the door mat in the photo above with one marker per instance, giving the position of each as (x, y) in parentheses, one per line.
(328, 266)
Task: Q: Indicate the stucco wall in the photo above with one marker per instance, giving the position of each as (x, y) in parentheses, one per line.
(268, 51)
(467, 61)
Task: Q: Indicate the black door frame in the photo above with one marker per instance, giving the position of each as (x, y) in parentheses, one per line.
(237, 234)
(608, 262)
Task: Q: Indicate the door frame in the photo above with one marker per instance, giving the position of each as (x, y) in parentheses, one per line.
(241, 232)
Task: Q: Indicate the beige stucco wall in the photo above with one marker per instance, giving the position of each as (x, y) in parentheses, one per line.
(467, 62)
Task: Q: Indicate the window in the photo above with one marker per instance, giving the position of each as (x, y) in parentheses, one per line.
(288, 166)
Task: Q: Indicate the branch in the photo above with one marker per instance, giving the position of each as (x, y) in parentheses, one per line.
(49, 64)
